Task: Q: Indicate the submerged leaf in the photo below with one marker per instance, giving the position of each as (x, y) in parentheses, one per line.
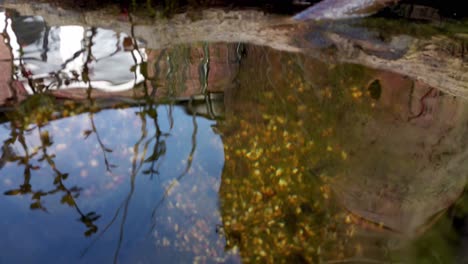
(35, 205)
(86, 133)
(68, 199)
(13, 192)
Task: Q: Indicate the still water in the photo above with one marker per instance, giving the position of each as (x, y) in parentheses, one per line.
(220, 152)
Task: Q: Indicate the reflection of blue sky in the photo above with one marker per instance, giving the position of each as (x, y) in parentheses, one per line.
(44, 235)
(63, 51)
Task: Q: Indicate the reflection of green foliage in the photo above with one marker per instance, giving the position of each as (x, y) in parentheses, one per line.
(281, 153)
(34, 114)
(436, 246)
(36, 108)
(41, 108)
(442, 242)
(390, 27)
(69, 194)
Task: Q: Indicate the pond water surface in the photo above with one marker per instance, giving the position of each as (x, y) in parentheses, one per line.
(220, 152)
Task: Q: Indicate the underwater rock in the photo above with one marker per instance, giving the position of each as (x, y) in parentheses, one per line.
(406, 159)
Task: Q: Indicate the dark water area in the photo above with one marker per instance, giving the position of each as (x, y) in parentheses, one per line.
(216, 152)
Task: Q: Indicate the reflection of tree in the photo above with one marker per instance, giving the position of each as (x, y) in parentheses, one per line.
(136, 166)
(7, 153)
(59, 77)
(148, 151)
(88, 46)
(45, 39)
(142, 164)
(40, 32)
(42, 155)
(178, 178)
(105, 150)
(140, 158)
(88, 43)
(159, 148)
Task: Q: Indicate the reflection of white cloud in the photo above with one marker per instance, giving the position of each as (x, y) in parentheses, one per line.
(65, 54)
(104, 85)
(13, 41)
(71, 38)
(2, 21)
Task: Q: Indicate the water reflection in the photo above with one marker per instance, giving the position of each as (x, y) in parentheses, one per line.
(52, 58)
(120, 170)
(218, 152)
(75, 62)
(342, 163)
(141, 173)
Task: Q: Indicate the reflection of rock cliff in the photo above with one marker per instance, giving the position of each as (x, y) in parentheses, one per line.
(407, 158)
(390, 150)
(438, 61)
(187, 70)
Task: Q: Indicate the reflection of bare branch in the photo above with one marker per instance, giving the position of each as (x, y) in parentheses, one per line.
(70, 194)
(72, 58)
(431, 59)
(7, 154)
(89, 58)
(104, 149)
(117, 49)
(45, 43)
(135, 48)
(18, 135)
(170, 116)
(159, 149)
(111, 222)
(194, 143)
(57, 77)
(182, 175)
(137, 163)
(157, 70)
(204, 69)
(26, 73)
(135, 169)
